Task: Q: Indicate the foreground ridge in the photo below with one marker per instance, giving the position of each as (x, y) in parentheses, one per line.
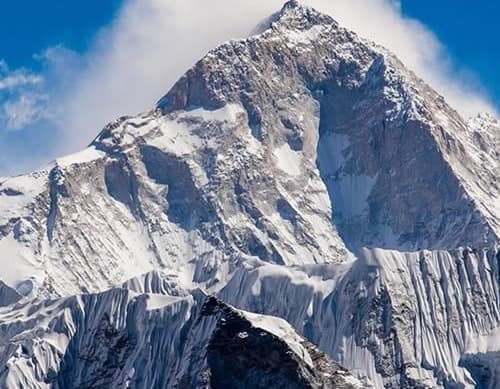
(121, 338)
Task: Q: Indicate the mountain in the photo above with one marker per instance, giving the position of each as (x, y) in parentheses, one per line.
(127, 338)
(304, 174)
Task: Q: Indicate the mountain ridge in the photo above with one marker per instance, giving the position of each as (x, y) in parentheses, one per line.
(262, 177)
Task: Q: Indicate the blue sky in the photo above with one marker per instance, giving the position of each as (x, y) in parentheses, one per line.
(68, 67)
(469, 30)
(30, 26)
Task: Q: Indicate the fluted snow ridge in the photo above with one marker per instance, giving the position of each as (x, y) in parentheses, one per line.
(121, 339)
(401, 319)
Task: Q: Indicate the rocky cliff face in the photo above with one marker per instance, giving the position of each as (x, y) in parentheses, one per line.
(302, 173)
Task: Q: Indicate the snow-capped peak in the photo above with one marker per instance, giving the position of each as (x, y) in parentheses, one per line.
(262, 177)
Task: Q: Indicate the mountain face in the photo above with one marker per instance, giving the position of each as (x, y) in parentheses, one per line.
(127, 338)
(298, 184)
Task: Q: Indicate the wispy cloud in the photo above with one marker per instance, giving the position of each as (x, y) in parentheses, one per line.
(24, 110)
(21, 101)
(137, 58)
(12, 79)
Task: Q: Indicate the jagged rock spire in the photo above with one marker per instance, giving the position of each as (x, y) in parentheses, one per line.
(291, 4)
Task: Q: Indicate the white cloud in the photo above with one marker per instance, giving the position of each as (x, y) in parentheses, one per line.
(12, 79)
(136, 59)
(22, 101)
(23, 111)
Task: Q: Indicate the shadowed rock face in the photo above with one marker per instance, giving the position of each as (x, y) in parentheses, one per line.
(388, 180)
(8, 295)
(484, 368)
(185, 203)
(258, 178)
(242, 356)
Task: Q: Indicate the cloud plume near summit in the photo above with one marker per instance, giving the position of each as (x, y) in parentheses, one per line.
(150, 43)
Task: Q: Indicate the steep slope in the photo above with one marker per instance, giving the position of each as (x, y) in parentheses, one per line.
(247, 155)
(121, 339)
(390, 150)
(400, 319)
(259, 177)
